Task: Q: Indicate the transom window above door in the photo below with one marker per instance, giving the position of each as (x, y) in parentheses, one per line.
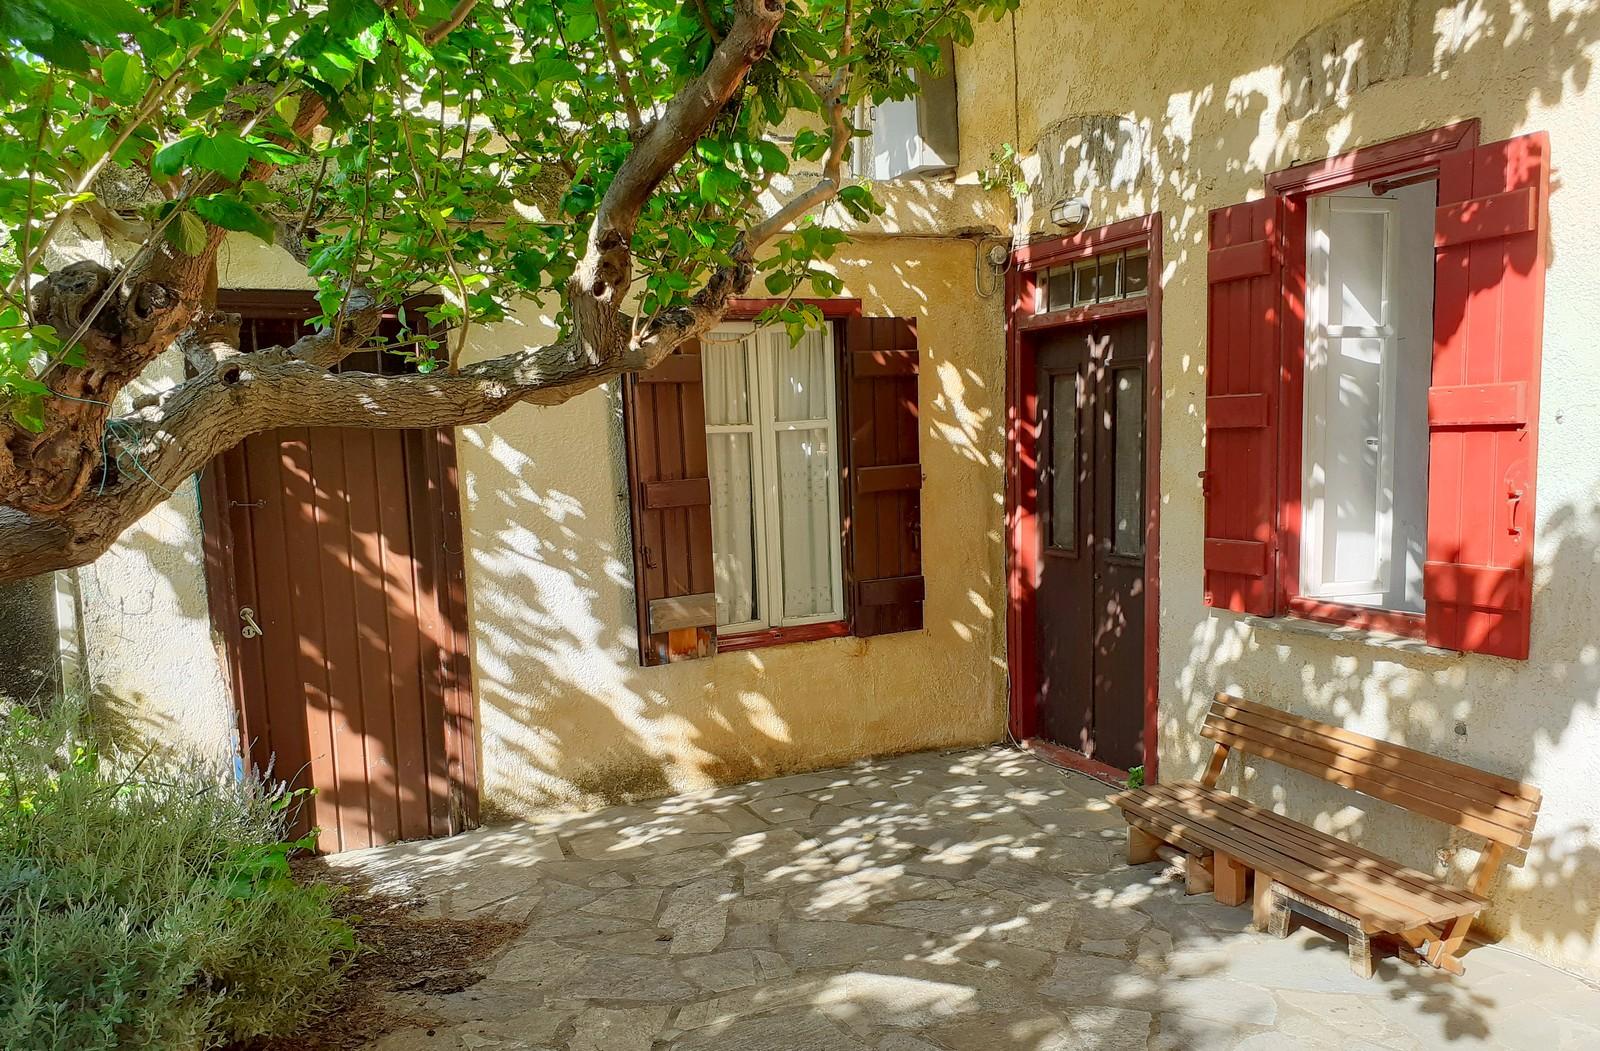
(1104, 278)
(772, 455)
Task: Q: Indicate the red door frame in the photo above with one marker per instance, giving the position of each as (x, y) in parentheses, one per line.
(1023, 323)
(1294, 186)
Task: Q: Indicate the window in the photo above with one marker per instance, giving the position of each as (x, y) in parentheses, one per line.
(1368, 355)
(914, 136)
(1371, 461)
(771, 440)
(1105, 278)
(774, 488)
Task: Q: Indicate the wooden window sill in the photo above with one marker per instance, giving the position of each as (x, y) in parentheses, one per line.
(1301, 626)
(764, 637)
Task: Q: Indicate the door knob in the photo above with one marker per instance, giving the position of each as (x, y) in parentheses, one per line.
(251, 629)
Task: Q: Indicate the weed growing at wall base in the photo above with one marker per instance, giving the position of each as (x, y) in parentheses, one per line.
(144, 908)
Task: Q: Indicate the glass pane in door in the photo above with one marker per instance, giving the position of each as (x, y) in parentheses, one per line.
(1127, 486)
(1063, 418)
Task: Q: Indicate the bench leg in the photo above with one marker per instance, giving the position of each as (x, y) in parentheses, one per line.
(1360, 954)
(1141, 846)
(1278, 924)
(1261, 902)
(1442, 951)
(1196, 875)
(1229, 878)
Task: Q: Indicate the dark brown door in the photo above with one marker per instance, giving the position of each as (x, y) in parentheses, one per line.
(1090, 600)
(338, 555)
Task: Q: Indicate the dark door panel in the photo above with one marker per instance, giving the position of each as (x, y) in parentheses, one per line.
(1091, 499)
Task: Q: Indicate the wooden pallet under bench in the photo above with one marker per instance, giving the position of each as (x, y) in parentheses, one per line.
(1227, 838)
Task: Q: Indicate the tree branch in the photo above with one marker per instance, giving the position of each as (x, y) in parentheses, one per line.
(151, 452)
(705, 17)
(609, 31)
(827, 187)
(451, 23)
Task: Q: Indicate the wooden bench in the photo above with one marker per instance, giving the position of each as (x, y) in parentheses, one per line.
(1227, 838)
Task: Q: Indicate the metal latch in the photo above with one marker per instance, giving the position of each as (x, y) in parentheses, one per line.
(251, 628)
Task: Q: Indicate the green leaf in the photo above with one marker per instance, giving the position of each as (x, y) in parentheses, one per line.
(229, 212)
(270, 152)
(173, 157)
(224, 153)
(288, 108)
(187, 233)
(123, 76)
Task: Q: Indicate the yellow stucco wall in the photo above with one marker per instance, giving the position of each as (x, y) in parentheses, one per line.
(1206, 98)
(1213, 96)
(567, 714)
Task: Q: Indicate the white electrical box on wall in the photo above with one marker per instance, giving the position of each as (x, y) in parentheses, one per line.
(915, 136)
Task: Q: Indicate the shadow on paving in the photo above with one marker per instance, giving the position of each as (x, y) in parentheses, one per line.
(973, 901)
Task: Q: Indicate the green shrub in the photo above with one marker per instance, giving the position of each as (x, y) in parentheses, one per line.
(147, 909)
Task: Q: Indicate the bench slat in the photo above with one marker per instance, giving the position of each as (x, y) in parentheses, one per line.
(1263, 857)
(1364, 761)
(1167, 835)
(1281, 752)
(1406, 888)
(1388, 905)
(1372, 892)
(1311, 837)
(1405, 755)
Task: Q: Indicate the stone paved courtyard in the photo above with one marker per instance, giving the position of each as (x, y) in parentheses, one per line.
(968, 901)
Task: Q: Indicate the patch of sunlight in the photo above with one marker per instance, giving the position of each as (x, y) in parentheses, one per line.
(762, 717)
(901, 1000)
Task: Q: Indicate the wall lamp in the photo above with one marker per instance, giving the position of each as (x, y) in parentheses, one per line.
(1070, 213)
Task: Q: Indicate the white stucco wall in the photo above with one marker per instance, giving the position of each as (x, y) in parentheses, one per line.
(1208, 98)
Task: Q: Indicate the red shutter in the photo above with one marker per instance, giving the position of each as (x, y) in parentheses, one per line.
(1483, 408)
(1242, 375)
(664, 416)
(883, 476)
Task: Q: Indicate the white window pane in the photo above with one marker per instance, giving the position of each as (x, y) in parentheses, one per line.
(1355, 514)
(1127, 478)
(807, 539)
(725, 366)
(1355, 266)
(733, 526)
(800, 376)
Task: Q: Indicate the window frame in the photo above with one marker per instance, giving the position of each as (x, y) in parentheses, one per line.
(1408, 156)
(766, 508)
(834, 313)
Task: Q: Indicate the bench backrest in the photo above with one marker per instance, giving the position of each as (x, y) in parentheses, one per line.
(1497, 808)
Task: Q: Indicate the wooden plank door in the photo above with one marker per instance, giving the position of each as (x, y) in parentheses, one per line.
(1089, 602)
(336, 573)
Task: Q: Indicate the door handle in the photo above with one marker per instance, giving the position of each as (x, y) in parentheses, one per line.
(1514, 496)
(251, 629)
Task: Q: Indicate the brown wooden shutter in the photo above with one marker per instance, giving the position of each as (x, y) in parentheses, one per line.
(1483, 407)
(1240, 480)
(670, 497)
(882, 475)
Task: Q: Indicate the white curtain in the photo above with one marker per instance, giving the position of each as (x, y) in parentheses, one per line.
(805, 471)
(725, 364)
